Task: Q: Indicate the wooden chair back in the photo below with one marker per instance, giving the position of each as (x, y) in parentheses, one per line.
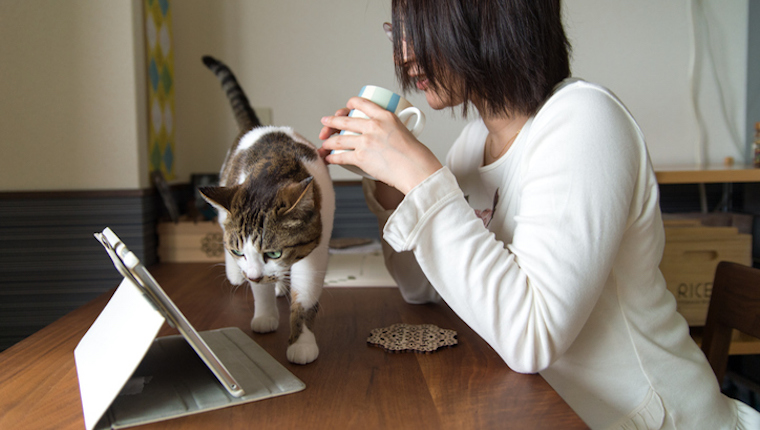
(734, 304)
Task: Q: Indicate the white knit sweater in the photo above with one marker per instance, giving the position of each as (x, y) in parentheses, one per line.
(551, 254)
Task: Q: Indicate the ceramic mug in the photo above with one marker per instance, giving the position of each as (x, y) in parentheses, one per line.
(412, 117)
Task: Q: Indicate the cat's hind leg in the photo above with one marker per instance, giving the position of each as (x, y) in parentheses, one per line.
(266, 316)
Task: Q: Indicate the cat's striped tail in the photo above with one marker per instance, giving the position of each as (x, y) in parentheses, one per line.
(244, 115)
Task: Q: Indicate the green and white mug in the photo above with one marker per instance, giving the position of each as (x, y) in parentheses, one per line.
(410, 116)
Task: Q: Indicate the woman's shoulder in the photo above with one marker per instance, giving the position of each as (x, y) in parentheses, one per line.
(578, 86)
(585, 106)
(583, 95)
(474, 129)
(465, 147)
(585, 121)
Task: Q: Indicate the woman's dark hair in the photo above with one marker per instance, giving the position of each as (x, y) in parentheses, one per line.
(503, 55)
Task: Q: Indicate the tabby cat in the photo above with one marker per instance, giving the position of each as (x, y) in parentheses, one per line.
(276, 205)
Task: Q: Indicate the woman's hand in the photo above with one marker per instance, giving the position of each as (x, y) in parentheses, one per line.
(384, 148)
(328, 131)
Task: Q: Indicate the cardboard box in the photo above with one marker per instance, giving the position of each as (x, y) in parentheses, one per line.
(692, 253)
(189, 241)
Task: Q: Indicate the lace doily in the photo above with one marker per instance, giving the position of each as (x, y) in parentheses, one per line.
(416, 338)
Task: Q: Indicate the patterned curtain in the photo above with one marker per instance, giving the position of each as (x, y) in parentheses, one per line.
(158, 36)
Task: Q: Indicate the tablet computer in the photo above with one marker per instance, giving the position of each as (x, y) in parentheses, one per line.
(128, 376)
(131, 268)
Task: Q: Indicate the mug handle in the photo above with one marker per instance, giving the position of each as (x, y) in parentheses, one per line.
(419, 122)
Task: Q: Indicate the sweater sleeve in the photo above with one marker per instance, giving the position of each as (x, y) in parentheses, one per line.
(402, 266)
(530, 298)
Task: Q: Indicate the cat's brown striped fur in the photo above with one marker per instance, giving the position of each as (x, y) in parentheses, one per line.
(276, 206)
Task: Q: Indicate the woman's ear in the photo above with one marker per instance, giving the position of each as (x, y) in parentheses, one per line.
(388, 30)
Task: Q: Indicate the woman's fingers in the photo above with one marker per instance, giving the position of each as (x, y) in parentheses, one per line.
(328, 131)
(341, 121)
(339, 157)
(380, 145)
(341, 142)
(369, 108)
(323, 153)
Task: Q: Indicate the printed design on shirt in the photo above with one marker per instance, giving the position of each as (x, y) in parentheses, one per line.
(487, 214)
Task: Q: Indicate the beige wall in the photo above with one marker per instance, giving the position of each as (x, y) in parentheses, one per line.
(303, 59)
(71, 101)
(72, 88)
(642, 50)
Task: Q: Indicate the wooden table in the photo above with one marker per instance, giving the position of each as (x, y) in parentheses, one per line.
(350, 385)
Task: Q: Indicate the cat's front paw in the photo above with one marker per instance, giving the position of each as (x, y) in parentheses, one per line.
(265, 324)
(304, 350)
(302, 353)
(234, 274)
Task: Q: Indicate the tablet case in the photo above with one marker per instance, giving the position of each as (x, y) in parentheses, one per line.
(128, 377)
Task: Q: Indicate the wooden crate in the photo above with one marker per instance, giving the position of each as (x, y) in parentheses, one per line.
(188, 241)
(692, 253)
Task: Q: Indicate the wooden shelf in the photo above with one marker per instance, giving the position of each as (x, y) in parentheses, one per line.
(741, 344)
(684, 174)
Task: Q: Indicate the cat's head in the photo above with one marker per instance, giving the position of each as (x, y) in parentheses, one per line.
(269, 228)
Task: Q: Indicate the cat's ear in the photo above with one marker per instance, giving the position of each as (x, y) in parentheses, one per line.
(218, 197)
(298, 196)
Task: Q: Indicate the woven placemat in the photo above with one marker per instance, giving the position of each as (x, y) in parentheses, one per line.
(424, 338)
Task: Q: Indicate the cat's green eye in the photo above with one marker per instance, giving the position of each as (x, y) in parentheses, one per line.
(274, 255)
(236, 252)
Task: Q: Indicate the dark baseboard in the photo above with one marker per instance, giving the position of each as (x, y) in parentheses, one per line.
(352, 217)
(50, 263)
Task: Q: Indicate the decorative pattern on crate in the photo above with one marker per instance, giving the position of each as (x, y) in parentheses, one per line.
(160, 61)
(212, 246)
(187, 241)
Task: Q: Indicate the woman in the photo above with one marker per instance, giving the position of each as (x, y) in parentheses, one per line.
(543, 231)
